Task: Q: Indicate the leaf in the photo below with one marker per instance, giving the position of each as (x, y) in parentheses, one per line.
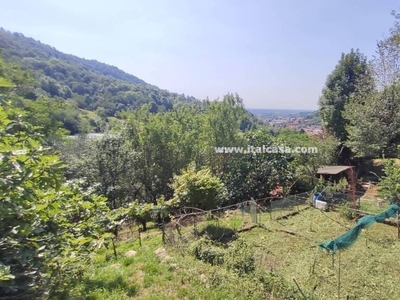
(41, 207)
(5, 83)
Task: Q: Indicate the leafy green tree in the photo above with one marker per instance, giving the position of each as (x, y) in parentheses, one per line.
(141, 213)
(113, 166)
(47, 116)
(373, 123)
(373, 116)
(350, 75)
(221, 127)
(105, 164)
(198, 189)
(306, 165)
(164, 143)
(386, 62)
(255, 175)
(390, 182)
(48, 230)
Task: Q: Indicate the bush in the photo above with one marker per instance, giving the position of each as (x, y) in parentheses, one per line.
(346, 212)
(207, 251)
(240, 258)
(48, 229)
(198, 188)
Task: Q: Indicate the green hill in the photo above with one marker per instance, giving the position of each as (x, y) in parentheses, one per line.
(87, 95)
(87, 84)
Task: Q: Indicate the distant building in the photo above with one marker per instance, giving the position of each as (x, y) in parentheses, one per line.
(313, 130)
(292, 125)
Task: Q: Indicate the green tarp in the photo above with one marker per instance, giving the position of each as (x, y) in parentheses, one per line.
(349, 238)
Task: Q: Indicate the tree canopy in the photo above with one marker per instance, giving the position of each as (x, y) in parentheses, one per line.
(351, 75)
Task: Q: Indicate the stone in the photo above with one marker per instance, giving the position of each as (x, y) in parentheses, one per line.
(162, 254)
(130, 253)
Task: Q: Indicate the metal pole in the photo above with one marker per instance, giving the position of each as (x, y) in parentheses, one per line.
(339, 278)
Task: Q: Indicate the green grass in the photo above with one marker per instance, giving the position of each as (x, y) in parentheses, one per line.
(368, 269)
(372, 206)
(146, 276)
(287, 249)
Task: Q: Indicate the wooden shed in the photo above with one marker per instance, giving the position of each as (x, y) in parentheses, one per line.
(333, 173)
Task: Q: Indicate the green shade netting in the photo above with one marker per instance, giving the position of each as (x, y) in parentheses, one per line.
(347, 239)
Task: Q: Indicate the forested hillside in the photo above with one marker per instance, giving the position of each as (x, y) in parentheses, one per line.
(83, 84)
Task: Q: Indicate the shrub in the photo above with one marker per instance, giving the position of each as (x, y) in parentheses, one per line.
(240, 258)
(346, 212)
(198, 188)
(207, 251)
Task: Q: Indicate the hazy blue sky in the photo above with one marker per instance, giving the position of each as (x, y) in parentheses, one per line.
(275, 54)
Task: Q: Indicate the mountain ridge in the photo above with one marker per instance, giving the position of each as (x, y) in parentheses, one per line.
(91, 63)
(86, 84)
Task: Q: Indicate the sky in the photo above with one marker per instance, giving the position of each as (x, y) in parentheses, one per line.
(273, 53)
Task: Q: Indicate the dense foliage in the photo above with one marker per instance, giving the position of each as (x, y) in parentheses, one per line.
(142, 161)
(48, 228)
(199, 188)
(344, 81)
(390, 183)
(360, 101)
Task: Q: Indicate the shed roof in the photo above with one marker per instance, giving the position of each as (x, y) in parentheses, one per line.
(332, 170)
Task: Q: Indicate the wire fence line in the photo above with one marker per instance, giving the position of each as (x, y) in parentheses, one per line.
(188, 223)
(181, 226)
(223, 223)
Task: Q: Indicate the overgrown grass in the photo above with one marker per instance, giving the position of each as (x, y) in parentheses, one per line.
(371, 206)
(286, 250)
(368, 269)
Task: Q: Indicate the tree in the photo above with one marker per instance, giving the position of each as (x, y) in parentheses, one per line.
(306, 165)
(140, 212)
(373, 116)
(373, 123)
(351, 75)
(221, 127)
(48, 229)
(390, 182)
(255, 175)
(164, 143)
(105, 164)
(387, 60)
(198, 189)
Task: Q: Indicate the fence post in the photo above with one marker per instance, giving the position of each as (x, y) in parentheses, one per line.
(339, 277)
(270, 209)
(398, 226)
